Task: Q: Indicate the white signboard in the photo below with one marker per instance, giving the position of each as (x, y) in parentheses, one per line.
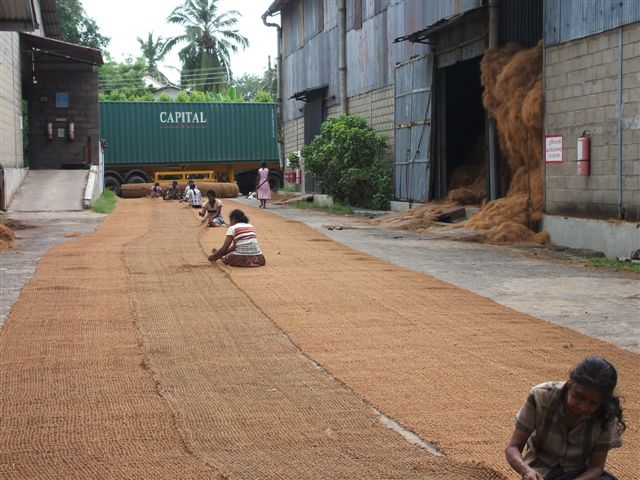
(553, 148)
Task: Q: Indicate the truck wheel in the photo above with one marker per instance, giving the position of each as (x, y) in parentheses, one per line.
(275, 181)
(137, 176)
(112, 182)
(136, 179)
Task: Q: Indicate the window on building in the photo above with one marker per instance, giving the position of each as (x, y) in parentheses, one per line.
(62, 99)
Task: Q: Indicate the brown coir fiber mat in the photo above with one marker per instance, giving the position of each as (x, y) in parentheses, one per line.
(245, 400)
(450, 365)
(77, 400)
(127, 356)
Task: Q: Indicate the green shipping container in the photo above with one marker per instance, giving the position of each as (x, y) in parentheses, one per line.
(166, 133)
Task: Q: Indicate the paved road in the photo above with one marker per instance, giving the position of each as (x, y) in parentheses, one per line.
(595, 302)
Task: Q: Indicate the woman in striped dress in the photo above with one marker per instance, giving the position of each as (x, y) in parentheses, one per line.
(241, 247)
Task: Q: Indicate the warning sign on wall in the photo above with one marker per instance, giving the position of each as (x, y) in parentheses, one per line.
(553, 148)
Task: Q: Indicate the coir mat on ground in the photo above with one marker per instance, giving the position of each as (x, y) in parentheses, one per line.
(450, 365)
(127, 356)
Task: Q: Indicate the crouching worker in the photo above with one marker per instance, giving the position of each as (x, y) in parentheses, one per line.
(156, 191)
(173, 192)
(240, 248)
(569, 427)
(212, 210)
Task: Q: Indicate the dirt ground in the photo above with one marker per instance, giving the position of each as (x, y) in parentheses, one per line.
(128, 356)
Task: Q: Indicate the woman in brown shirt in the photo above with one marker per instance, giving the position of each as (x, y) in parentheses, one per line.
(569, 427)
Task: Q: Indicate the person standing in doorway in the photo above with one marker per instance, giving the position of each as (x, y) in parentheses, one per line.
(263, 189)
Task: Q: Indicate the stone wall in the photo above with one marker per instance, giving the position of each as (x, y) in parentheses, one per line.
(581, 91)
(82, 87)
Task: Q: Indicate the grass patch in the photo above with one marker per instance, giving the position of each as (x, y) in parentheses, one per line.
(289, 189)
(337, 208)
(105, 203)
(617, 265)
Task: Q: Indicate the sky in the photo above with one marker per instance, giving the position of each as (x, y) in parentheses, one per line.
(125, 20)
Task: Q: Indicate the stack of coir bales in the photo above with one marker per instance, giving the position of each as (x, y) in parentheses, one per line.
(139, 190)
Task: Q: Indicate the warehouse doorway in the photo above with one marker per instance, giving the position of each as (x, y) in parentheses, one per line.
(464, 128)
(461, 130)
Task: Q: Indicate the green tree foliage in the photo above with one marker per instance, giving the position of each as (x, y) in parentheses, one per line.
(257, 88)
(76, 27)
(210, 38)
(347, 158)
(153, 52)
(123, 81)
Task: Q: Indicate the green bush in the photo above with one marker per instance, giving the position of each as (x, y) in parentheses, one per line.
(105, 203)
(294, 160)
(347, 157)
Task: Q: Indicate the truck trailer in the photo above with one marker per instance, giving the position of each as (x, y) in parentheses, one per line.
(142, 139)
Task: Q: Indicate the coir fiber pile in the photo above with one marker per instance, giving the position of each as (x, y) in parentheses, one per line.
(7, 236)
(450, 365)
(128, 356)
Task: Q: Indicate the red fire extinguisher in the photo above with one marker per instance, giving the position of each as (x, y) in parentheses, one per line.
(584, 154)
(49, 131)
(72, 131)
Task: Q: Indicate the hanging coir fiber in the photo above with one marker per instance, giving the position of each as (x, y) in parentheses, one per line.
(7, 237)
(512, 81)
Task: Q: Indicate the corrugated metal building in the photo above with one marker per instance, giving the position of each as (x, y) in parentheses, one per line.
(412, 69)
(400, 55)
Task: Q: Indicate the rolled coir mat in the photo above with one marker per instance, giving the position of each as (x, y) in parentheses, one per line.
(139, 190)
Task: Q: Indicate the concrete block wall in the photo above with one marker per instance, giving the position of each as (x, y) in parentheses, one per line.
(377, 107)
(293, 136)
(581, 91)
(11, 149)
(82, 87)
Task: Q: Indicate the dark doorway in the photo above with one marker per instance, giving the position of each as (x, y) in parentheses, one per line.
(314, 114)
(461, 125)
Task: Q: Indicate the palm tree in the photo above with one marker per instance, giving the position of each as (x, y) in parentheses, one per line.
(209, 43)
(153, 52)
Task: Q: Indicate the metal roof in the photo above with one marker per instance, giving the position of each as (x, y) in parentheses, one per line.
(62, 50)
(21, 16)
(18, 15)
(423, 36)
(311, 93)
(276, 6)
(50, 18)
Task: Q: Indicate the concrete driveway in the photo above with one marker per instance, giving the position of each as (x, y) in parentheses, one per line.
(50, 191)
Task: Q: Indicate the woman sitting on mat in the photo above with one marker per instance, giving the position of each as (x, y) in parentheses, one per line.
(240, 248)
(212, 210)
(569, 427)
